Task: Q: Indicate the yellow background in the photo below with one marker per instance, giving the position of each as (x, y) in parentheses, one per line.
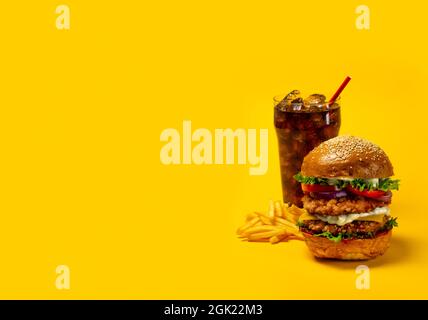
(82, 111)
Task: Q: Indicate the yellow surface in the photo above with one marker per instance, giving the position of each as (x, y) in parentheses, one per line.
(82, 111)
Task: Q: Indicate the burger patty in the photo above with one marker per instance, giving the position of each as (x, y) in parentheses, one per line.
(354, 227)
(345, 205)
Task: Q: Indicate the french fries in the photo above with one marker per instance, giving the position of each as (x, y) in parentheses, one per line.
(279, 238)
(285, 222)
(251, 216)
(278, 209)
(271, 209)
(278, 224)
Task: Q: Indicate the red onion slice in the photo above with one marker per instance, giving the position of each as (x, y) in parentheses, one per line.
(329, 195)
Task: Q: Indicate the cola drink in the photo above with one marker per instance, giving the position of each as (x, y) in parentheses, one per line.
(301, 125)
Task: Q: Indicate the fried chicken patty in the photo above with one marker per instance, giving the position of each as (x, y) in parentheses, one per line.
(345, 205)
(357, 226)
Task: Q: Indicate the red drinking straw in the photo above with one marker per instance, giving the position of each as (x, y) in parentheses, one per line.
(339, 91)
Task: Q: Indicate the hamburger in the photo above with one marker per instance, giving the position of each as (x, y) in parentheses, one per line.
(347, 186)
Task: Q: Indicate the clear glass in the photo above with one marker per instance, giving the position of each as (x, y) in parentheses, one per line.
(298, 132)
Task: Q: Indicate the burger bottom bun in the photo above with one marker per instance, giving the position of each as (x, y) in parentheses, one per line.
(357, 249)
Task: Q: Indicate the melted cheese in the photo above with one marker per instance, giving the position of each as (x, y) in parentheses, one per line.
(376, 215)
(307, 216)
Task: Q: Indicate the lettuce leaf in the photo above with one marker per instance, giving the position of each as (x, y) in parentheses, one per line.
(310, 180)
(384, 184)
(391, 223)
(330, 236)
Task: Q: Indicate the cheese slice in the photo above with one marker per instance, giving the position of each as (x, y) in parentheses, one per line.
(375, 218)
(307, 216)
(376, 215)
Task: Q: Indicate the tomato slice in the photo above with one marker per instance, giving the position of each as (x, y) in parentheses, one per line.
(318, 188)
(367, 193)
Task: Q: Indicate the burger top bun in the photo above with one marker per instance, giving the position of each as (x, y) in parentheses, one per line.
(347, 157)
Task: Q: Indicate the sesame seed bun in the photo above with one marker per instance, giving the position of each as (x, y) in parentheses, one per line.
(347, 157)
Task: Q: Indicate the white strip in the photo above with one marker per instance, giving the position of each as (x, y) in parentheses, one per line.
(348, 218)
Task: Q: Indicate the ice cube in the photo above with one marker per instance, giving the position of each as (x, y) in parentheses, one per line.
(291, 101)
(297, 104)
(315, 99)
(293, 95)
